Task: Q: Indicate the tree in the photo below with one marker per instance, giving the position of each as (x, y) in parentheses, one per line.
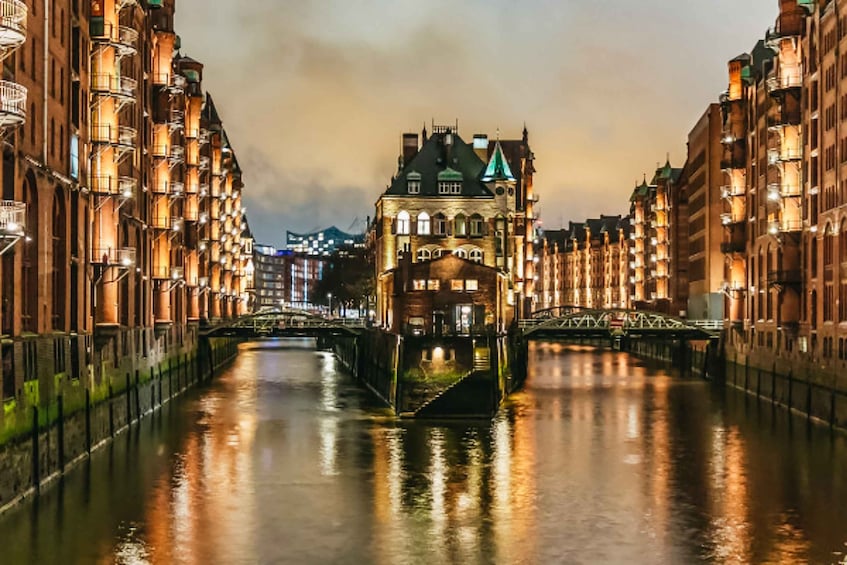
(348, 278)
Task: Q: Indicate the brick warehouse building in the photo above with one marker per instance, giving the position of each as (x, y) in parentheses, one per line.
(474, 200)
(121, 217)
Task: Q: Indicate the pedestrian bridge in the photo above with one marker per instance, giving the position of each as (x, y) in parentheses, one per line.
(285, 323)
(577, 322)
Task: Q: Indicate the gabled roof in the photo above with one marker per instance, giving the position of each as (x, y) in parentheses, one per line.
(436, 161)
(498, 167)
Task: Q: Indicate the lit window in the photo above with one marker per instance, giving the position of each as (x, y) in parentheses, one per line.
(424, 255)
(439, 224)
(461, 253)
(449, 187)
(433, 284)
(476, 255)
(457, 285)
(471, 285)
(403, 223)
(419, 284)
(414, 187)
(423, 224)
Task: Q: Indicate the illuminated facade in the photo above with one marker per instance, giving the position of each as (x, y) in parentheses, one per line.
(284, 279)
(586, 265)
(474, 200)
(121, 221)
(323, 242)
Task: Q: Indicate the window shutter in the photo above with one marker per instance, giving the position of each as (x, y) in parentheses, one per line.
(449, 226)
(394, 226)
(413, 226)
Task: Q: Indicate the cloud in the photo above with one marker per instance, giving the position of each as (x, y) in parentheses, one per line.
(315, 94)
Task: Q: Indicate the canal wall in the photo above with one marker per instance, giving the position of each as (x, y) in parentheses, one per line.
(411, 372)
(814, 388)
(691, 358)
(43, 435)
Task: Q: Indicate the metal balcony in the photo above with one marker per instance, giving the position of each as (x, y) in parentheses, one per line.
(117, 86)
(123, 257)
(123, 39)
(205, 136)
(779, 84)
(177, 190)
(118, 136)
(729, 192)
(785, 226)
(777, 191)
(12, 219)
(176, 155)
(127, 3)
(176, 121)
(190, 213)
(728, 219)
(12, 104)
(105, 185)
(205, 163)
(13, 19)
(161, 222)
(784, 155)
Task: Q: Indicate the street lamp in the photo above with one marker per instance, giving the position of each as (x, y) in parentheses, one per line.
(329, 297)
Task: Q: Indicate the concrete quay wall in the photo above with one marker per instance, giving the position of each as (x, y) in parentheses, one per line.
(45, 437)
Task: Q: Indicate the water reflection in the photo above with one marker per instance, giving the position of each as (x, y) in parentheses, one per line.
(601, 459)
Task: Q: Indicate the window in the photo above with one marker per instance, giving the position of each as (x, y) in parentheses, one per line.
(439, 224)
(424, 255)
(439, 253)
(403, 223)
(433, 284)
(471, 285)
(461, 253)
(414, 186)
(449, 187)
(457, 285)
(460, 225)
(476, 225)
(423, 224)
(419, 284)
(476, 255)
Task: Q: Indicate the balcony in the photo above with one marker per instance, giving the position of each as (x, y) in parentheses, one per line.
(123, 257)
(785, 154)
(117, 136)
(205, 163)
(123, 39)
(104, 185)
(729, 191)
(778, 85)
(729, 219)
(731, 247)
(176, 121)
(12, 104)
(785, 277)
(777, 191)
(785, 226)
(12, 219)
(161, 223)
(205, 136)
(176, 155)
(13, 19)
(114, 85)
(177, 190)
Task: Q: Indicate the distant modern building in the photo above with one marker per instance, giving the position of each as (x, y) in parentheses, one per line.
(284, 279)
(324, 242)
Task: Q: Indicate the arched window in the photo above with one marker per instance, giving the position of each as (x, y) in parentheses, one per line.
(476, 225)
(476, 255)
(461, 253)
(460, 226)
(423, 224)
(29, 272)
(439, 253)
(424, 255)
(403, 223)
(439, 224)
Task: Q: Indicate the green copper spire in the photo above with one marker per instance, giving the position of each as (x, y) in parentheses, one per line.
(498, 167)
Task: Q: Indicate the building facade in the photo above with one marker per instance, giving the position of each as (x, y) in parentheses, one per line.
(121, 220)
(284, 279)
(474, 200)
(586, 264)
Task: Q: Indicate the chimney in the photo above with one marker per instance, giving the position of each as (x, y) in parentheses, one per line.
(480, 146)
(410, 147)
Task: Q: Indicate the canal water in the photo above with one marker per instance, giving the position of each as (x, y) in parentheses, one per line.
(602, 459)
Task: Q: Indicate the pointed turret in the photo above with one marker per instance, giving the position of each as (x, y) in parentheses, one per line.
(498, 166)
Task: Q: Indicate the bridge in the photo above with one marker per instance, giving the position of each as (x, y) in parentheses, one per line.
(577, 322)
(285, 323)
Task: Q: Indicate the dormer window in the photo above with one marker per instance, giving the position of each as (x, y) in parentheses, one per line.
(413, 182)
(449, 187)
(450, 181)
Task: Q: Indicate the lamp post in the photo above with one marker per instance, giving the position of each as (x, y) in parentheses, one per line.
(329, 297)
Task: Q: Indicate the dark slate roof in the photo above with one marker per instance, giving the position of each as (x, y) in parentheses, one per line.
(433, 159)
(559, 237)
(210, 113)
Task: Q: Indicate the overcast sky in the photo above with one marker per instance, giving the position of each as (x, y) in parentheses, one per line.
(314, 94)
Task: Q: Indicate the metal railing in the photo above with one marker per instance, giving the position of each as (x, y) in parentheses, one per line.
(114, 85)
(108, 256)
(12, 103)
(13, 19)
(12, 218)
